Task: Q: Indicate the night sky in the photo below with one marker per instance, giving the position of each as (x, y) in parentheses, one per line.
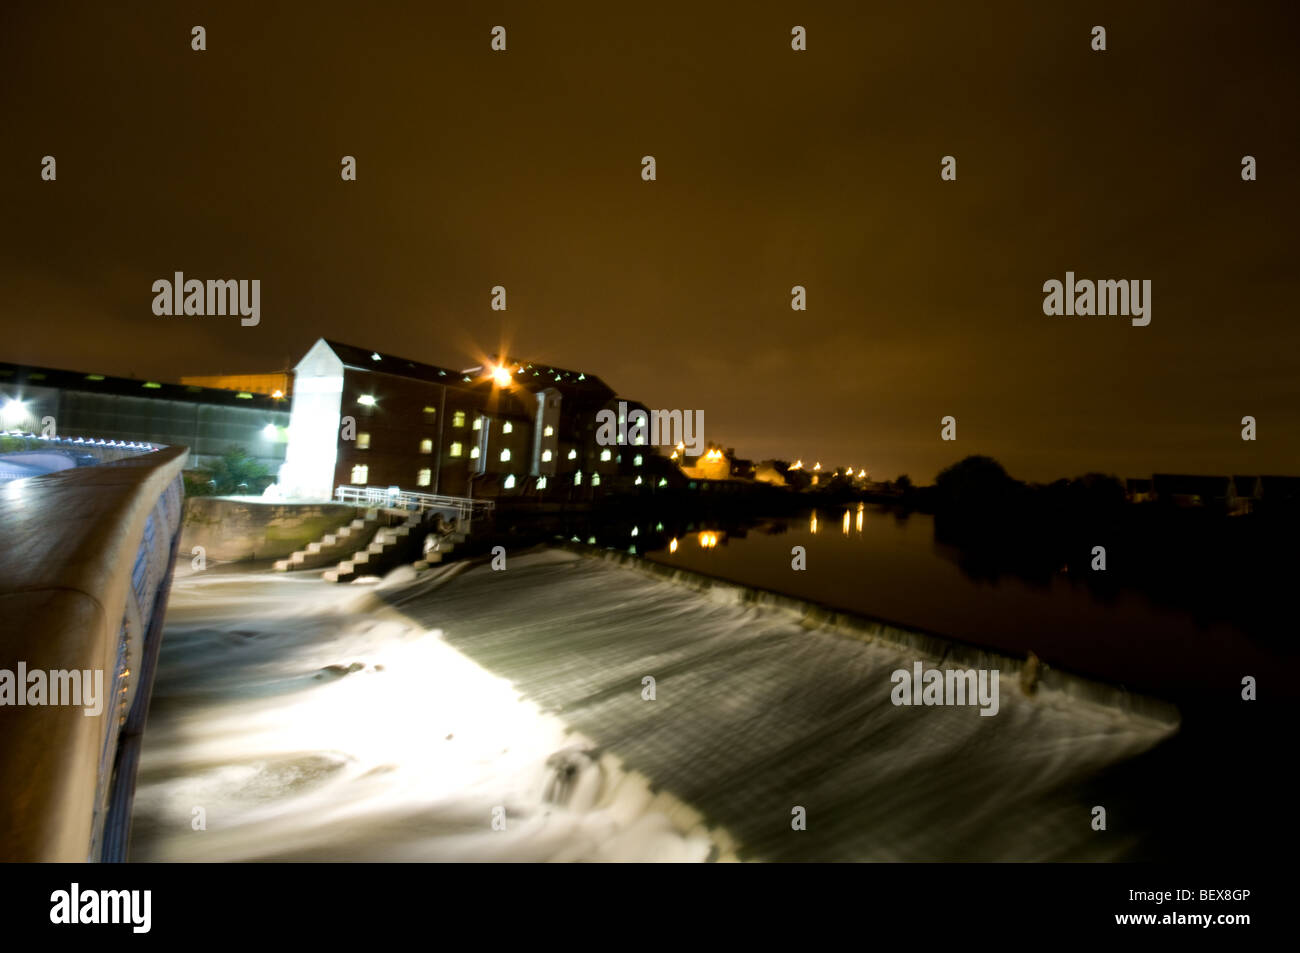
(775, 168)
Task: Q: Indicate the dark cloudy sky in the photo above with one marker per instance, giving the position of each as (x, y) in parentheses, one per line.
(775, 168)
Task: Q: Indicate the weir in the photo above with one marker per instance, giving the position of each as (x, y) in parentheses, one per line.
(391, 723)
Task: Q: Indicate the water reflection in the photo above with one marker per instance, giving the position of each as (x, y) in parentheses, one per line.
(895, 570)
(899, 570)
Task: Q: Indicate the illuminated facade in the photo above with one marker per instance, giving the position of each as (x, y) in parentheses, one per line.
(504, 429)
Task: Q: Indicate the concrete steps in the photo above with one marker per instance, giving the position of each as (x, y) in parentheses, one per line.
(390, 546)
(331, 546)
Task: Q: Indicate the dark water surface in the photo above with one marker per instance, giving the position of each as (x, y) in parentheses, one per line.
(876, 562)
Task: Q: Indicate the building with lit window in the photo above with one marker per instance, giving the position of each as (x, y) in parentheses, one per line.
(502, 429)
(357, 417)
(209, 421)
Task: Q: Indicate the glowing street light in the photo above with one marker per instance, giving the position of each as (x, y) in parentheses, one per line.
(14, 412)
(502, 376)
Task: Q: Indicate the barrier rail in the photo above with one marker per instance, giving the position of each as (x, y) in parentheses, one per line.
(397, 498)
(85, 568)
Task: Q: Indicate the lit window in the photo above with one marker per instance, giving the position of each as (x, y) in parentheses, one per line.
(425, 477)
(541, 483)
(595, 479)
(363, 441)
(663, 481)
(505, 455)
(431, 410)
(366, 400)
(360, 474)
(636, 461)
(426, 446)
(507, 427)
(478, 423)
(638, 482)
(605, 454)
(573, 454)
(639, 441)
(473, 453)
(510, 482)
(458, 419)
(577, 478)
(455, 450)
(546, 456)
(548, 432)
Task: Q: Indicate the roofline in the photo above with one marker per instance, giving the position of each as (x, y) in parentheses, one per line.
(62, 379)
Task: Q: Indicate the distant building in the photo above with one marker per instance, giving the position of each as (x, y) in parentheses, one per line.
(1138, 491)
(510, 428)
(274, 384)
(1187, 490)
(714, 464)
(771, 471)
(741, 469)
(207, 420)
(1278, 491)
(1243, 494)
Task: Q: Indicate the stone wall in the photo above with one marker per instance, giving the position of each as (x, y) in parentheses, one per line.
(234, 530)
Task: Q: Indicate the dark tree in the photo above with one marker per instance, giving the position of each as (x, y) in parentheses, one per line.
(235, 472)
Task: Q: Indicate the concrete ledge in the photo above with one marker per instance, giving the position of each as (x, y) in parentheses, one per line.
(66, 592)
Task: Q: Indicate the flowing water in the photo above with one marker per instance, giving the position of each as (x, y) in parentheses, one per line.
(480, 715)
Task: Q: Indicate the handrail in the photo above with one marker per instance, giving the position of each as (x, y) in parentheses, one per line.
(395, 497)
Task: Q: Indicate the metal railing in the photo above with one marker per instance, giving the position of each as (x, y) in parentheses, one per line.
(397, 498)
